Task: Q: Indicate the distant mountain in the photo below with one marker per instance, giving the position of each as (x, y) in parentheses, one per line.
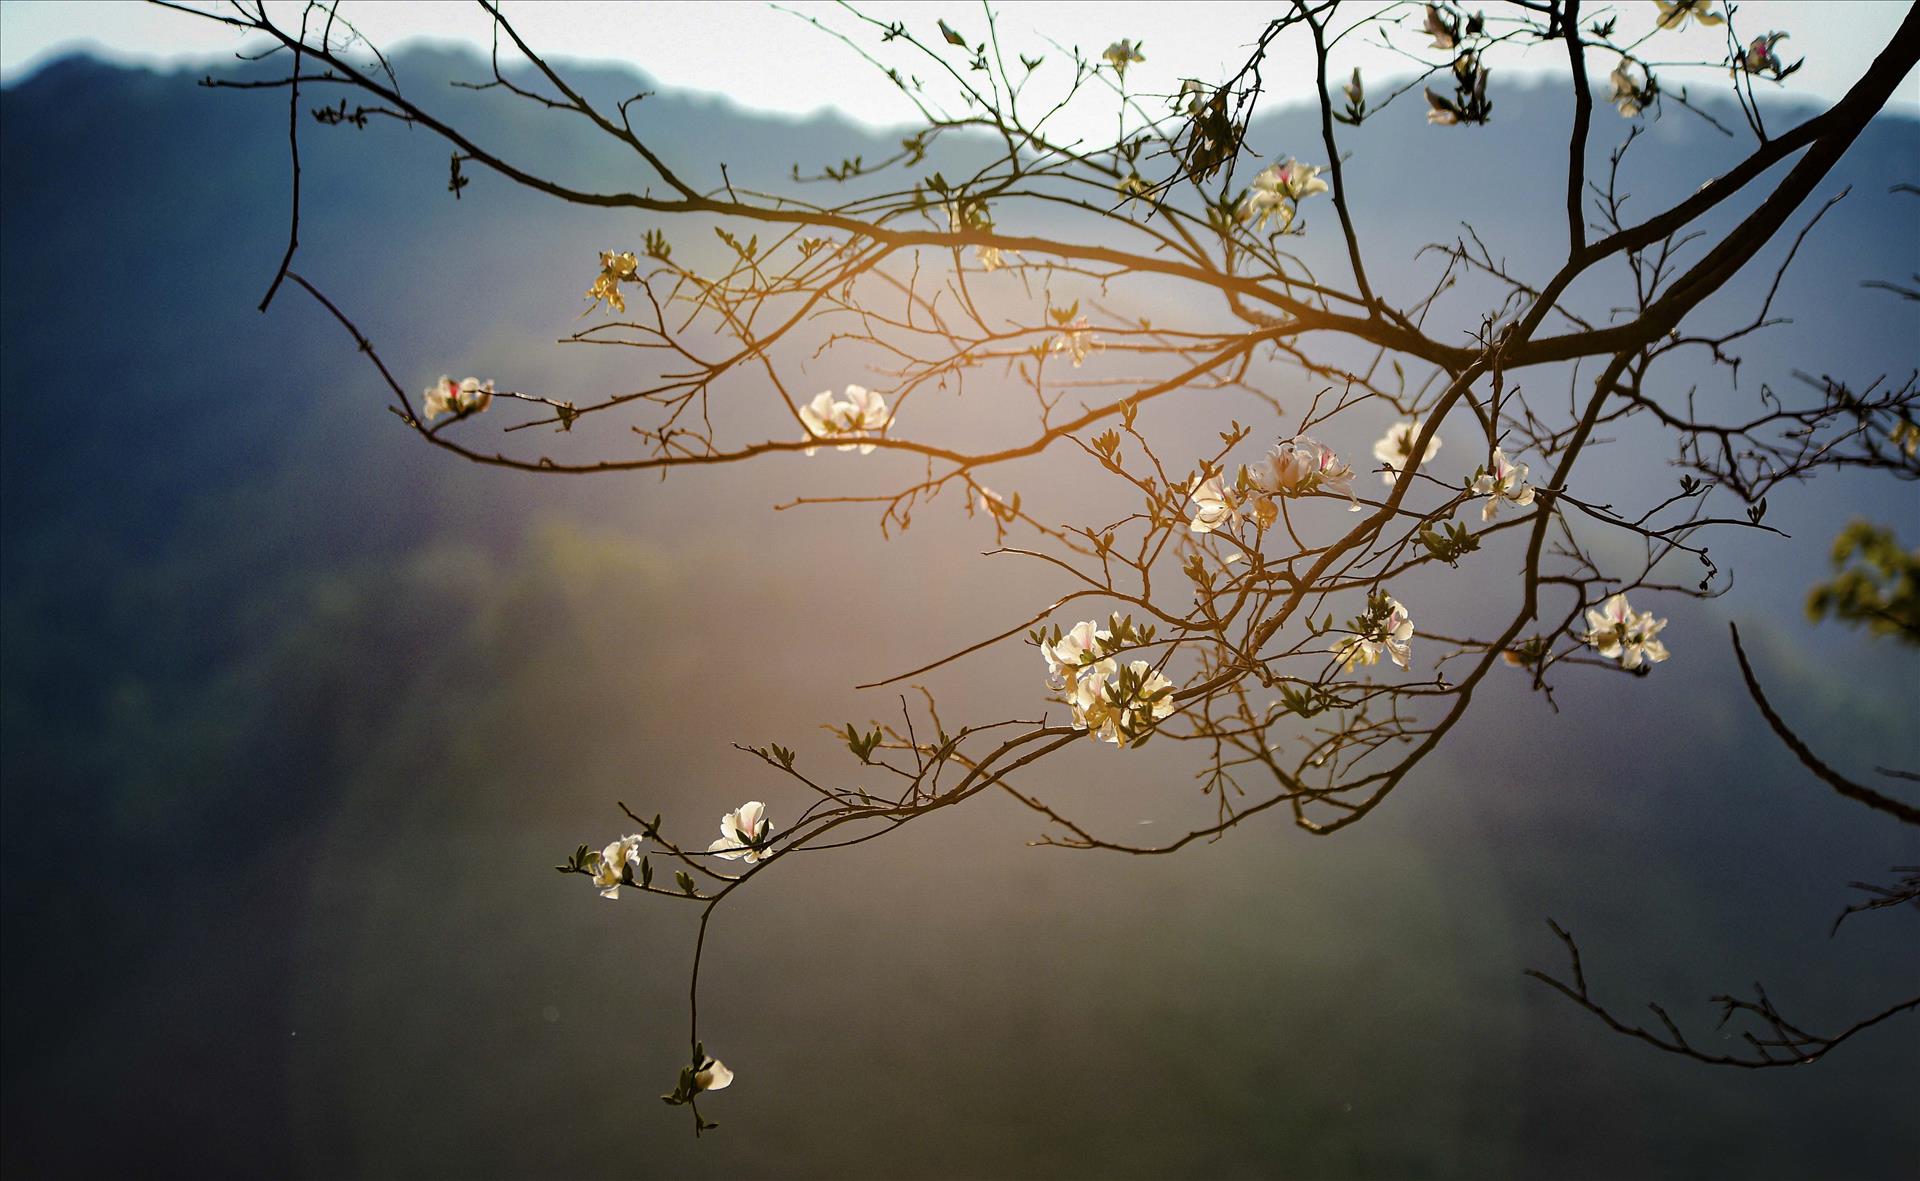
(295, 713)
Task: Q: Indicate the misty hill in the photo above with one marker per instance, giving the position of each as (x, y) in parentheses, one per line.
(295, 713)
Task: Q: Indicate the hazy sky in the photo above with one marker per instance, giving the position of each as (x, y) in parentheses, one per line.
(768, 59)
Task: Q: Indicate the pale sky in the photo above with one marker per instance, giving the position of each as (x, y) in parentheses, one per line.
(770, 60)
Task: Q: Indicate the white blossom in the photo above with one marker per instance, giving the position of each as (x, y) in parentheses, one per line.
(744, 832)
(1080, 649)
(1117, 708)
(1113, 704)
(1631, 91)
(468, 396)
(866, 410)
(1389, 627)
(712, 1075)
(611, 870)
(1300, 465)
(1076, 340)
(1154, 694)
(1122, 54)
(1507, 481)
(1675, 13)
(1760, 57)
(1277, 190)
(861, 413)
(1620, 633)
(1396, 446)
(616, 267)
(1087, 698)
(1213, 505)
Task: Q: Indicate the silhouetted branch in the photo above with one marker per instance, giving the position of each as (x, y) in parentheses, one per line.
(1903, 812)
(1779, 1042)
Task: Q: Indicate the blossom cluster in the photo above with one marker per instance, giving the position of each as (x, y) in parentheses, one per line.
(1621, 633)
(857, 415)
(1116, 703)
(616, 267)
(1293, 467)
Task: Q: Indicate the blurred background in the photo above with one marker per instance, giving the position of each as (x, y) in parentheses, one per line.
(296, 714)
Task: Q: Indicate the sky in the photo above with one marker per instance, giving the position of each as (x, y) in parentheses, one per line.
(764, 57)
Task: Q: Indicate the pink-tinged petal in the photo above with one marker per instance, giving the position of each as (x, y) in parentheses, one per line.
(751, 815)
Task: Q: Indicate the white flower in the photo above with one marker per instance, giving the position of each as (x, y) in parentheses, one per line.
(1149, 699)
(1507, 481)
(1117, 707)
(611, 870)
(818, 415)
(1674, 13)
(1087, 698)
(1760, 58)
(1441, 111)
(1213, 505)
(1080, 648)
(712, 1075)
(744, 832)
(866, 410)
(1121, 54)
(616, 267)
(469, 396)
(1282, 470)
(861, 413)
(1155, 695)
(1386, 625)
(1396, 446)
(1631, 91)
(1621, 633)
(1301, 180)
(1277, 190)
(1300, 465)
(1445, 33)
(1076, 340)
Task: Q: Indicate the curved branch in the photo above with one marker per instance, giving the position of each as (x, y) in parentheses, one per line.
(1903, 812)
